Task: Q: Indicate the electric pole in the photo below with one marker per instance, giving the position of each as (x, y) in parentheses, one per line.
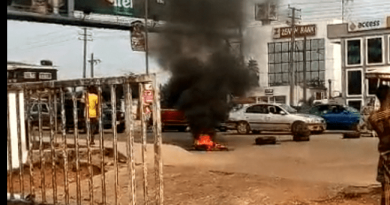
(304, 69)
(93, 61)
(84, 38)
(291, 66)
(146, 38)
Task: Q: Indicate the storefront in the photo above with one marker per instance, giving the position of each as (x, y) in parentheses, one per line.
(365, 48)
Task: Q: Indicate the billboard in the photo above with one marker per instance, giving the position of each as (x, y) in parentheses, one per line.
(128, 8)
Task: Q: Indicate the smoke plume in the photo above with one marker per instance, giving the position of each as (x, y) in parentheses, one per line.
(193, 47)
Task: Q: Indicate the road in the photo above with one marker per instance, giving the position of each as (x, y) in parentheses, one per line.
(326, 157)
(287, 171)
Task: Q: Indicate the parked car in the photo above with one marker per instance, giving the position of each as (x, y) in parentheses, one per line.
(337, 116)
(81, 125)
(34, 116)
(272, 117)
(175, 119)
(107, 118)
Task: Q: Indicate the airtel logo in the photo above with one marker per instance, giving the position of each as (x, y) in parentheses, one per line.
(368, 24)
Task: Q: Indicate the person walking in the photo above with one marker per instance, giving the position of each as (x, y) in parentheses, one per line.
(93, 112)
(380, 121)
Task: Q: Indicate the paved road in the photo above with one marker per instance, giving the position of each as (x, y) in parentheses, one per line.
(326, 157)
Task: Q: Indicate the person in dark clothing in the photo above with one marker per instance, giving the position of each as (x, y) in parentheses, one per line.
(380, 121)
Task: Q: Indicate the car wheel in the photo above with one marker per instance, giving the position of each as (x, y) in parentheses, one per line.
(300, 131)
(243, 128)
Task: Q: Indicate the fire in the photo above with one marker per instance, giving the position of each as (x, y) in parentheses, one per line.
(204, 142)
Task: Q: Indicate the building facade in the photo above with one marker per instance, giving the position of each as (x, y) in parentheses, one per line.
(365, 46)
(318, 62)
(21, 72)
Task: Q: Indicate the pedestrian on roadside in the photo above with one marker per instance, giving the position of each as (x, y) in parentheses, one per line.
(380, 121)
(93, 112)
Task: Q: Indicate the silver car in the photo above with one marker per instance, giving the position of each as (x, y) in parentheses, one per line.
(271, 117)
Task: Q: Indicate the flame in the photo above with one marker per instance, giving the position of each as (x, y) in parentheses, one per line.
(205, 140)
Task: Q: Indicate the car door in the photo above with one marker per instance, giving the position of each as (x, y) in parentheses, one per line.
(275, 120)
(334, 116)
(256, 116)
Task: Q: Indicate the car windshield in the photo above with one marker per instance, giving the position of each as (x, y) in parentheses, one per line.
(288, 108)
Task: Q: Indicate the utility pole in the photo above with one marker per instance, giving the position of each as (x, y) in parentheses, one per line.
(93, 61)
(84, 38)
(291, 67)
(146, 38)
(304, 70)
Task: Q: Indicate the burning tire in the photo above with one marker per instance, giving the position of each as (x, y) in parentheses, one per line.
(243, 128)
(265, 140)
(300, 131)
(256, 131)
(352, 135)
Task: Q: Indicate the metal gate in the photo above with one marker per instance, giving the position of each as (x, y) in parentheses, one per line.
(57, 155)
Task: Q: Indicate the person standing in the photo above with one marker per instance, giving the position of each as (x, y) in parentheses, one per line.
(93, 112)
(380, 121)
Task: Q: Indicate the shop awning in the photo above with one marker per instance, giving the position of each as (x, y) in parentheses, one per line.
(380, 72)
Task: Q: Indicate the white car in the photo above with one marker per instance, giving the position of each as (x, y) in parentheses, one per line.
(272, 117)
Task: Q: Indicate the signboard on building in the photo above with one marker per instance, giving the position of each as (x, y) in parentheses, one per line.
(300, 31)
(265, 11)
(269, 91)
(363, 25)
(388, 22)
(137, 37)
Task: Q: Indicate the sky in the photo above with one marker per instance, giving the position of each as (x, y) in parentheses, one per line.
(30, 42)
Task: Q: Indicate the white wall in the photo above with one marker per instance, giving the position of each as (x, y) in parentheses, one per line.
(13, 130)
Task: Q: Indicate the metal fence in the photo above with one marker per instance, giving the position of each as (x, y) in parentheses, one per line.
(58, 150)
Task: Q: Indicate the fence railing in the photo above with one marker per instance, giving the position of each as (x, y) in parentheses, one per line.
(58, 156)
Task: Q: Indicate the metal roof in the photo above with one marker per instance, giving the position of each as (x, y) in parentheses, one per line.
(11, 65)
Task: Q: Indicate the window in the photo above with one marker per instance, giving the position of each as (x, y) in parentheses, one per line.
(354, 52)
(29, 75)
(278, 99)
(279, 58)
(262, 109)
(274, 109)
(46, 76)
(355, 104)
(354, 82)
(372, 84)
(374, 51)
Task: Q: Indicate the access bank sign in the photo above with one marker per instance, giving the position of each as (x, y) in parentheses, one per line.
(362, 25)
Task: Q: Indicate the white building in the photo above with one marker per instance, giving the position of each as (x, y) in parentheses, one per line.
(269, 45)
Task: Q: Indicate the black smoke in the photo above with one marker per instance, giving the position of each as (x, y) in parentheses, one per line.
(204, 70)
